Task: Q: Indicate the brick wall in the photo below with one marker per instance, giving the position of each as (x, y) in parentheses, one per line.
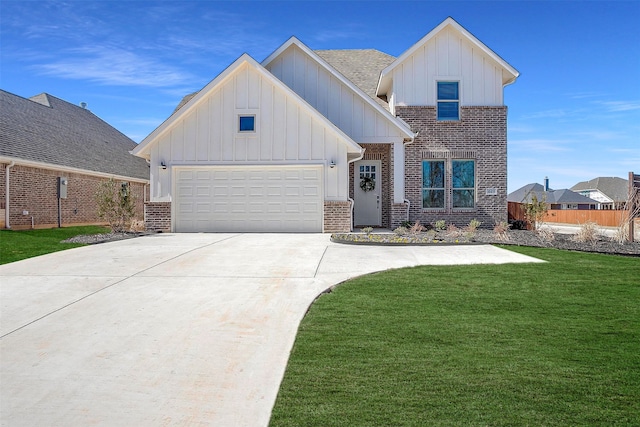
(157, 216)
(34, 190)
(480, 133)
(337, 216)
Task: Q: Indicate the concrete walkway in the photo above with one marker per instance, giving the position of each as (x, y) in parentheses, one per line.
(173, 329)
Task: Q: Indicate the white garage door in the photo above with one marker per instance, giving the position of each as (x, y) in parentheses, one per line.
(257, 199)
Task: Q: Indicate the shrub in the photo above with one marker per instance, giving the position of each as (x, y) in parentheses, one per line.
(401, 231)
(519, 225)
(406, 224)
(416, 228)
(588, 233)
(116, 204)
(501, 231)
(367, 230)
(535, 211)
(441, 225)
(473, 225)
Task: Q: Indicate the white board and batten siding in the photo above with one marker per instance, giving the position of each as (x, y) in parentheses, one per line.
(449, 55)
(286, 134)
(332, 98)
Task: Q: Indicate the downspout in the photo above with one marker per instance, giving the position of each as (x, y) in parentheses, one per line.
(6, 194)
(351, 201)
(406, 201)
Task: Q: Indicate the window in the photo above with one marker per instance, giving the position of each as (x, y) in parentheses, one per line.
(448, 184)
(247, 124)
(433, 184)
(463, 180)
(448, 101)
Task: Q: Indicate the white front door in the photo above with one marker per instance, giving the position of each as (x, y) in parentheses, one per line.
(367, 192)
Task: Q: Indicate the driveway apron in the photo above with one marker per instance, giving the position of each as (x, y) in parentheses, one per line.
(173, 329)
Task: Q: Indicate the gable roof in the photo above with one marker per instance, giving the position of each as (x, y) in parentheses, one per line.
(525, 195)
(361, 66)
(48, 130)
(395, 121)
(617, 189)
(385, 78)
(143, 148)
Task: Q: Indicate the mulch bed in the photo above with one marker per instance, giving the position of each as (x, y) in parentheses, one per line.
(512, 237)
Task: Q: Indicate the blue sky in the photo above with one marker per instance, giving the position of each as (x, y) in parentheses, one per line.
(574, 112)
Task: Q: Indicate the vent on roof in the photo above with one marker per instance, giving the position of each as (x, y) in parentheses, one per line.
(83, 105)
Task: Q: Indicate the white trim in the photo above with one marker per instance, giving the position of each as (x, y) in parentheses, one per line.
(385, 78)
(49, 166)
(397, 122)
(142, 149)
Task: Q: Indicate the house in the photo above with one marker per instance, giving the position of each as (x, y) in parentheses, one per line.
(324, 141)
(609, 192)
(51, 148)
(555, 199)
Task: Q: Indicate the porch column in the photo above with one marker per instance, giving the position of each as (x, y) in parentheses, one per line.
(398, 172)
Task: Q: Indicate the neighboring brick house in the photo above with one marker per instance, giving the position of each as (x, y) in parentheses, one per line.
(335, 139)
(45, 140)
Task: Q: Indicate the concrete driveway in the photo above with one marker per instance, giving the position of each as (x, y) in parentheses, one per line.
(173, 329)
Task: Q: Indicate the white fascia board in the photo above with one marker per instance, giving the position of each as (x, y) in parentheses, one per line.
(399, 124)
(68, 169)
(385, 78)
(142, 149)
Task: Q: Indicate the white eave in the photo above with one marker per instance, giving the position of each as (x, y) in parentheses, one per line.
(384, 83)
(395, 121)
(142, 150)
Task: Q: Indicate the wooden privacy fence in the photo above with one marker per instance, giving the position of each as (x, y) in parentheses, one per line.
(571, 216)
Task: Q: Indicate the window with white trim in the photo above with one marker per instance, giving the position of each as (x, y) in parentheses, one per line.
(448, 104)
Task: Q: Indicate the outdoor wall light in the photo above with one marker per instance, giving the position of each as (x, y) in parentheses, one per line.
(163, 165)
(332, 164)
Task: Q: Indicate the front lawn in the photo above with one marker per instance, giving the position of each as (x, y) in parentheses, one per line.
(552, 344)
(17, 245)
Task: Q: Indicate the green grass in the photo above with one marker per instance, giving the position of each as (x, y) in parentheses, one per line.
(17, 245)
(555, 344)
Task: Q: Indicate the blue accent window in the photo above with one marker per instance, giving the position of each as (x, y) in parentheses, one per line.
(463, 180)
(247, 124)
(433, 184)
(448, 101)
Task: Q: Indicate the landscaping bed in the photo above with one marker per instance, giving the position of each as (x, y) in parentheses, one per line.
(600, 244)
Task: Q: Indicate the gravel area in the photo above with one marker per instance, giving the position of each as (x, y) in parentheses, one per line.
(90, 239)
(603, 244)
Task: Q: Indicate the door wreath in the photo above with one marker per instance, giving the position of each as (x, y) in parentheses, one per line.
(367, 184)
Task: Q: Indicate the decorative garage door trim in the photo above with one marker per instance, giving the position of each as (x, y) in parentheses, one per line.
(282, 198)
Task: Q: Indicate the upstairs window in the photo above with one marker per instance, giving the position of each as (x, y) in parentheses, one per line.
(448, 101)
(247, 124)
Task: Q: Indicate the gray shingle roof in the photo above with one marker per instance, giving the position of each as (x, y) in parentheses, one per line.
(525, 195)
(361, 66)
(49, 130)
(615, 188)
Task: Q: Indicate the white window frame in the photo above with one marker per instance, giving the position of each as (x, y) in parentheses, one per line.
(240, 117)
(438, 100)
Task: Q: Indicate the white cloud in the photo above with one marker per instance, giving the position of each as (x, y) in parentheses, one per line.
(618, 106)
(114, 66)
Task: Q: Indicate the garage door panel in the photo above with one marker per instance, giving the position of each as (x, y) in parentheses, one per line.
(254, 199)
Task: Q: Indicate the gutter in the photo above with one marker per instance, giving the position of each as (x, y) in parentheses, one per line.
(6, 194)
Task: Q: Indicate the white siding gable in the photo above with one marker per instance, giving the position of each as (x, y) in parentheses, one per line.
(205, 132)
(449, 53)
(353, 112)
